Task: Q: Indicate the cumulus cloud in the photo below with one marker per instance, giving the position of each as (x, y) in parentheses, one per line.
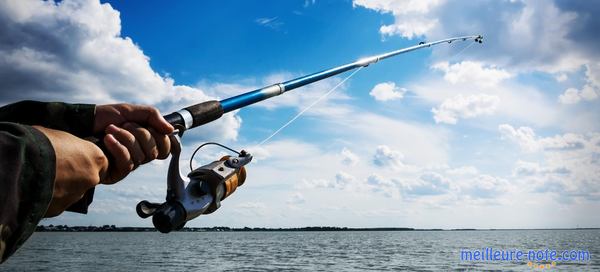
(472, 72)
(388, 187)
(411, 17)
(348, 157)
(590, 89)
(568, 175)
(464, 107)
(530, 32)
(73, 51)
(385, 156)
(571, 96)
(524, 168)
(569, 165)
(431, 184)
(525, 137)
(342, 181)
(387, 91)
(531, 169)
(486, 186)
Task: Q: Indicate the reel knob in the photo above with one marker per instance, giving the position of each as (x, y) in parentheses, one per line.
(171, 216)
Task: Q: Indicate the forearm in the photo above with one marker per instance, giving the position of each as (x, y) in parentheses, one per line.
(77, 119)
(27, 175)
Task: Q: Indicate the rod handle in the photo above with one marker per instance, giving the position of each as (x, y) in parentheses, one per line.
(196, 115)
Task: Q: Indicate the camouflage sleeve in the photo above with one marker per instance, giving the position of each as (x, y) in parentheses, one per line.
(27, 169)
(77, 119)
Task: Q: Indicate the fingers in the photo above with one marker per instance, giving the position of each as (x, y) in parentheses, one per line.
(147, 115)
(118, 114)
(132, 146)
(121, 164)
(145, 141)
(127, 139)
(163, 144)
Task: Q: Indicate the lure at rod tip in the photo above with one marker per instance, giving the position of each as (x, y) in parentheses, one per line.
(205, 112)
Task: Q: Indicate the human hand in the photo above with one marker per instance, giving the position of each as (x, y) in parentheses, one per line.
(80, 165)
(134, 135)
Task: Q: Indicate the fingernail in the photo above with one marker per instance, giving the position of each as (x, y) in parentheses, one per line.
(111, 128)
(111, 138)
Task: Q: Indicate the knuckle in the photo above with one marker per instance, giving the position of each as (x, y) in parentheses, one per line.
(153, 153)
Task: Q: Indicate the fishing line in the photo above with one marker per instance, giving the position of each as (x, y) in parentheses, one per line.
(462, 50)
(310, 106)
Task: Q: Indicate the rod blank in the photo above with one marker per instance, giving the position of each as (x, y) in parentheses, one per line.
(209, 111)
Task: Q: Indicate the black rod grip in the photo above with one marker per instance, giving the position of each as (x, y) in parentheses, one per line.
(205, 112)
(175, 119)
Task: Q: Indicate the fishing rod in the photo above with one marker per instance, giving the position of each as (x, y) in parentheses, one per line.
(209, 111)
(202, 191)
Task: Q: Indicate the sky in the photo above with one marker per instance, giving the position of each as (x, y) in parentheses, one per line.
(504, 134)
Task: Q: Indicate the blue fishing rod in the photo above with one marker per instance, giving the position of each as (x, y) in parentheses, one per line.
(209, 111)
(202, 190)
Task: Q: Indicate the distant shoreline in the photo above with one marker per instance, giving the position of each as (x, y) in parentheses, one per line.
(113, 228)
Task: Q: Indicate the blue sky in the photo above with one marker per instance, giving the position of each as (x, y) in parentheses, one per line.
(501, 135)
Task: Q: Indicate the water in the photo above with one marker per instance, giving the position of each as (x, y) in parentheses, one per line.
(292, 251)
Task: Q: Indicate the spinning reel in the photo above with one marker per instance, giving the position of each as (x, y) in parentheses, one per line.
(201, 192)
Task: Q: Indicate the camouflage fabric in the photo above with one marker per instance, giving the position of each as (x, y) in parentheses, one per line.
(27, 179)
(27, 165)
(77, 119)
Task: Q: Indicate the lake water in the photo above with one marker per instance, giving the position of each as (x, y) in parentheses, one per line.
(295, 251)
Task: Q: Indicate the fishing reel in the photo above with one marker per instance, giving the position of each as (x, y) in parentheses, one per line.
(201, 192)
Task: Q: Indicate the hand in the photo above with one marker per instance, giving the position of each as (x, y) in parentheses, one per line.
(80, 165)
(135, 135)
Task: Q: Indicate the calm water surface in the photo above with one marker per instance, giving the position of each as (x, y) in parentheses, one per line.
(293, 251)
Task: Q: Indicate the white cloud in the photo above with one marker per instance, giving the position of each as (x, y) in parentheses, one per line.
(344, 180)
(589, 93)
(570, 164)
(429, 183)
(385, 156)
(387, 91)
(95, 64)
(341, 181)
(524, 168)
(524, 136)
(562, 142)
(411, 17)
(389, 188)
(562, 77)
(465, 107)
(348, 157)
(528, 141)
(530, 32)
(486, 186)
(590, 89)
(463, 171)
(571, 96)
(574, 96)
(472, 73)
